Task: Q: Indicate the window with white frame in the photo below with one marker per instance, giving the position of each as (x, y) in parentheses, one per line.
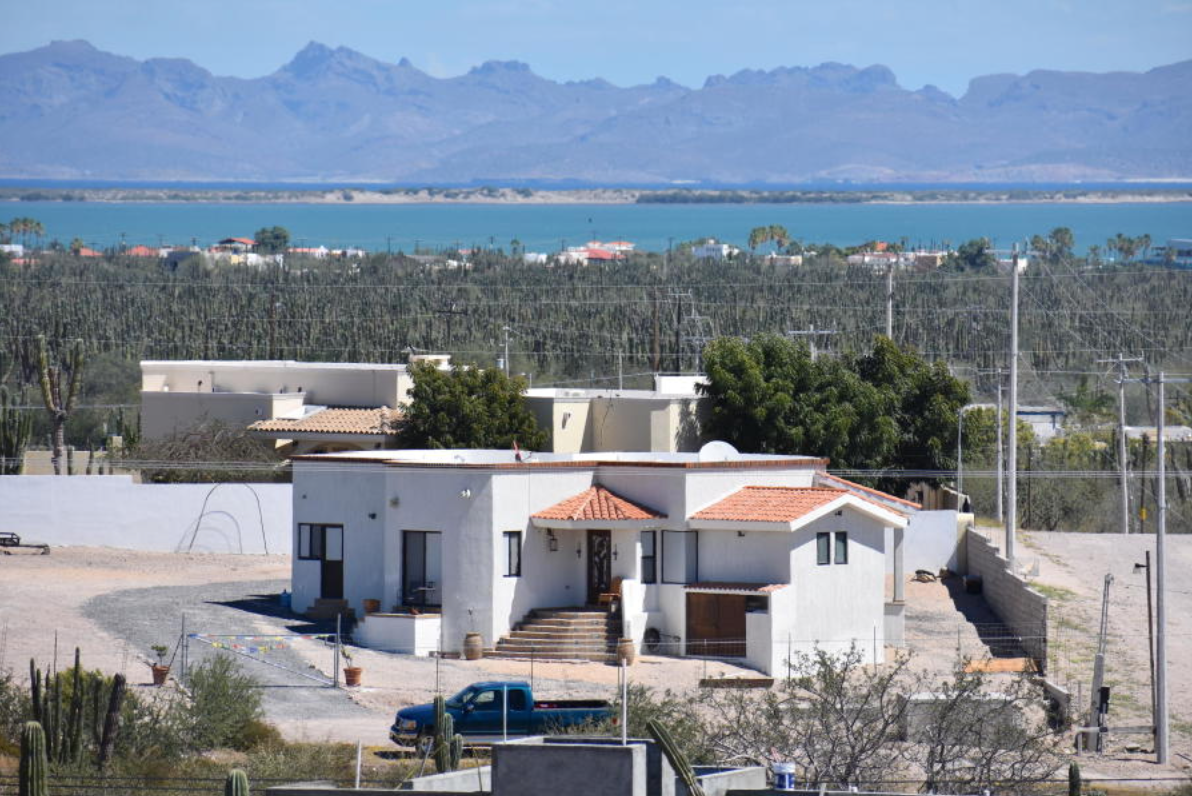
(831, 548)
(513, 547)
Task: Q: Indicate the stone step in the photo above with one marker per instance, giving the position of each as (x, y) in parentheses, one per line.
(595, 657)
(564, 613)
(329, 609)
(590, 630)
(552, 635)
(557, 622)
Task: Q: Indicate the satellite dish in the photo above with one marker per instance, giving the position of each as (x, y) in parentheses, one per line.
(717, 451)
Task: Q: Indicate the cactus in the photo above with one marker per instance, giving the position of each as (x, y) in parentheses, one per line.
(448, 746)
(236, 783)
(16, 427)
(677, 759)
(74, 729)
(59, 398)
(32, 779)
(111, 722)
(35, 689)
(1073, 779)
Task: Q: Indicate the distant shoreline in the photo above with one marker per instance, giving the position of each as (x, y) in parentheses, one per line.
(591, 196)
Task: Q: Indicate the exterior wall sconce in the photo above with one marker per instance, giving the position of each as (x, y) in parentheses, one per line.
(394, 501)
(552, 541)
(740, 534)
(465, 493)
(372, 515)
(614, 552)
(579, 551)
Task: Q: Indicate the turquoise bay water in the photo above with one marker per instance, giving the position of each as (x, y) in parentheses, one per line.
(546, 227)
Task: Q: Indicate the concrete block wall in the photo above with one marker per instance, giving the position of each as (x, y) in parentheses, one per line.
(1020, 607)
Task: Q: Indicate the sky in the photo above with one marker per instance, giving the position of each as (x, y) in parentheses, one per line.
(628, 42)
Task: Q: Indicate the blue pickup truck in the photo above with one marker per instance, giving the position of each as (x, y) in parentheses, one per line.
(478, 714)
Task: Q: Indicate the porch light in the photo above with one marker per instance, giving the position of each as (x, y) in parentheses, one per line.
(465, 493)
(552, 541)
(614, 552)
(579, 551)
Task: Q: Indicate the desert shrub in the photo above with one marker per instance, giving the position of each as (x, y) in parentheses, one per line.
(258, 734)
(224, 707)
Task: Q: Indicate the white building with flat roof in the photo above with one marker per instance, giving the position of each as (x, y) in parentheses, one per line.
(322, 405)
(714, 553)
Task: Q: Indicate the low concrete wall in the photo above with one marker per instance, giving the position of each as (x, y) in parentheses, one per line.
(113, 511)
(575, 769)
(719, 781)
(407, 634)
(1020, 607)
(468, 780)
(895, 624)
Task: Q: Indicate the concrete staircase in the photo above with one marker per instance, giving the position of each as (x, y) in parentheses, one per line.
(324, 609)
(563, 634)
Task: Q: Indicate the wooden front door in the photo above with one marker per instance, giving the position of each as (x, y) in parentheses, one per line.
(716, 625)
(600, 564)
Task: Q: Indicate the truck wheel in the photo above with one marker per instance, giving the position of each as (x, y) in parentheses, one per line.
(653, 640)
(424, 744)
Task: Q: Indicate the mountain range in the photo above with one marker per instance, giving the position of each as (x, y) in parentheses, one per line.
(71, 111)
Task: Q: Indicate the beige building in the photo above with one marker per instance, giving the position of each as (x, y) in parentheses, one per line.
(303, 406)
(666, 418)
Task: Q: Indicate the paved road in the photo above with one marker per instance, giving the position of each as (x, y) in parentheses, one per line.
(145, 617)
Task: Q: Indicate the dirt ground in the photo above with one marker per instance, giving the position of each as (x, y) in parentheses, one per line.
(113, 604)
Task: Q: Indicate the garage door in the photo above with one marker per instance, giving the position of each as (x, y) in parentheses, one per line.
(716, 625)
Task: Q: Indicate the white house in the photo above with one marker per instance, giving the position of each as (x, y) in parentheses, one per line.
(307, 406)
(735, 555)
(711, 250)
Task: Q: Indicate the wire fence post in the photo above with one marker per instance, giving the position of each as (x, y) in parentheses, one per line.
(185, 650)
(624, 702)
(335, 657)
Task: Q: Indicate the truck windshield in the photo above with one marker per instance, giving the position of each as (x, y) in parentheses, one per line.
(462, 698)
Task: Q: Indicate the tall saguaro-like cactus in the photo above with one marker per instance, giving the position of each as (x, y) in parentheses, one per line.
(236, 784)
(32, 774)
(16, 427)
(675, 757)
(449, 747)
(59, 388)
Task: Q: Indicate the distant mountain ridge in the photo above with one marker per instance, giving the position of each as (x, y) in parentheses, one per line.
(68, 110)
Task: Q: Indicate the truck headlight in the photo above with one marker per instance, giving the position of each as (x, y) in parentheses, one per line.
(409, 725)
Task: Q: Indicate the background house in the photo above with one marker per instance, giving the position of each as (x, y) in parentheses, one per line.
(306, 405)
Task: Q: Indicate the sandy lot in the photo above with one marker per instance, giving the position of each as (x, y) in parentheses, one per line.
(113, 604)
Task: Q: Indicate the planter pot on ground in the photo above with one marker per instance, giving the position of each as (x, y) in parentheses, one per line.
(372, 606)
(625, 651)
(473, 647)
(352, 675)
(160, 674)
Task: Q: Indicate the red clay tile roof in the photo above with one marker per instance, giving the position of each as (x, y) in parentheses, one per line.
(141, 251)
(769, 504)
(854, 486)
(597, 503)
(376, 422)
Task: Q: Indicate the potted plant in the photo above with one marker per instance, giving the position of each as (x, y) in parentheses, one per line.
(161, 670)
(351, 673)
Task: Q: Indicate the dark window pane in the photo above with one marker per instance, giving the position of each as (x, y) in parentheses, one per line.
(649, 559)
(841, 547)
(823, 548)
(517, 699)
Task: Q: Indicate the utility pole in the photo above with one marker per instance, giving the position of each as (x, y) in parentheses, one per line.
(1162, 718)
(1123, 464)
(620, 373)
(1012, 452)
(506, 360)
(1001, 454)
(890, 302)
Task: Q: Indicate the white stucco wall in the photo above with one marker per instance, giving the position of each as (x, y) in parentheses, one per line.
(932, 542)
(404, 633)
(837, 605)
(113, 511)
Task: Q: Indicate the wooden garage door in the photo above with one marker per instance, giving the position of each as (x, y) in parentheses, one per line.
(716, 625)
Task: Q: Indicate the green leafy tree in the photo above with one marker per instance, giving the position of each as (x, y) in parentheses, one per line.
(759, 236)
(469, 407)
(973, 255)
(272, 240)
(1056, 247)
(888, 408)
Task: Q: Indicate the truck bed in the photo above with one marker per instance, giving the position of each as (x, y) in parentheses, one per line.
(566, 704)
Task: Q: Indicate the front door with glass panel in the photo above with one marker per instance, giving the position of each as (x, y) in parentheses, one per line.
(600, 565)
(422, 566)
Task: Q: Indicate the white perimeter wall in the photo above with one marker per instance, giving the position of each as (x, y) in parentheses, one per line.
(933, 540)
(113, 511)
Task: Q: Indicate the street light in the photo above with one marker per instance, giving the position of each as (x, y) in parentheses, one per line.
(1150, 632)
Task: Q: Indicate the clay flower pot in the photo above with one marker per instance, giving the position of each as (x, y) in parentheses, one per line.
(352, 675)
(160, 674)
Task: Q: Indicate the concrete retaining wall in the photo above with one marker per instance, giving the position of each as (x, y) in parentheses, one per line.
(113, 511)
(1020, 607)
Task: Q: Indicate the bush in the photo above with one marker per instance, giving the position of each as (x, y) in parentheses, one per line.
(225, 706)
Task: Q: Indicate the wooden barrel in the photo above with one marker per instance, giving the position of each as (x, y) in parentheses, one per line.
(372, 606)
(625, 651)
(473, 647)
